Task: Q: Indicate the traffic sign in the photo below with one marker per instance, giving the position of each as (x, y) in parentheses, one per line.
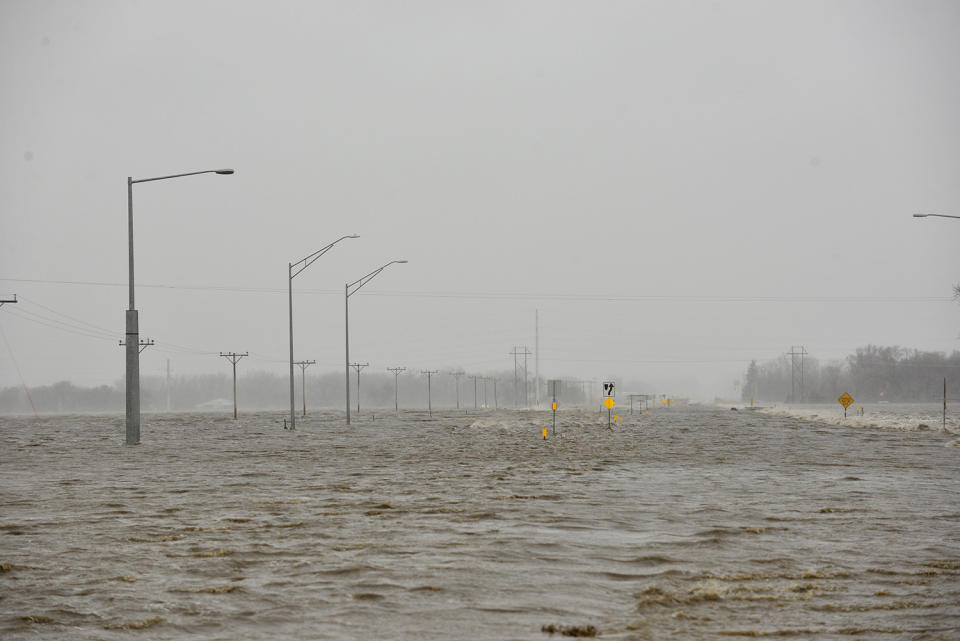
(846, 400)
(609, 388)
(609, 402)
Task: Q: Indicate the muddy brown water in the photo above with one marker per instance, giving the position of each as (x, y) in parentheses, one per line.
(689, 523)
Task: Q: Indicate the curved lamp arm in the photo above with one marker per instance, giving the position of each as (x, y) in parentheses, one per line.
(357, 284)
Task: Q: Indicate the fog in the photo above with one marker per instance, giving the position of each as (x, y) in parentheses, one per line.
(675, 188)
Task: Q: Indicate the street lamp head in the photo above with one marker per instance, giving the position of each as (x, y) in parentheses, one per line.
(920, 215)
(400, 261)
(224, 172)
(354, 236)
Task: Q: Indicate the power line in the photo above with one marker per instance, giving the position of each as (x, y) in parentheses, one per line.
(524, 296)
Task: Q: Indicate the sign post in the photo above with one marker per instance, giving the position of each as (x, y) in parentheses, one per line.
(554, 385)
(609, 390)
(845, 400)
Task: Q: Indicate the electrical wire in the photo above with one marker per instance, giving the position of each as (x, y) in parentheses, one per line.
(23, 384)
(521, 296)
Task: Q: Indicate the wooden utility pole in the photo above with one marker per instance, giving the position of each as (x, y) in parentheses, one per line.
(234, 358)
(358, 367)
(303, 381)
(429, 373)
(396, 385)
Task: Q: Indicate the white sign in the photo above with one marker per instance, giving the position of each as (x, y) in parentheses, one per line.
(608, 389)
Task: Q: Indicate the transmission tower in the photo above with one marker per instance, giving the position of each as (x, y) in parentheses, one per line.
(234, 358)
(396, 385)
(303, 381)
(358, 367)
(429, 374)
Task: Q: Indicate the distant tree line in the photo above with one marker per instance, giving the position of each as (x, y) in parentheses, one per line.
(268, 391)
(871, 374)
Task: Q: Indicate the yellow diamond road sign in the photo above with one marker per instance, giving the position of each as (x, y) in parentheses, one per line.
(845, 400)
(609, 402)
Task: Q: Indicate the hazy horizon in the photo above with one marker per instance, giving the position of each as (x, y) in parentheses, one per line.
(678, 188)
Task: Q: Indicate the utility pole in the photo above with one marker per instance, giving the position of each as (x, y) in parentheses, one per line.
(484, 381)
(796, 367)
(474, 390)
(526, 395)
(303, 381)
(396, 385)
(536, 356)
(495, 405)
(457, 374)
(429, 374)
(358, 367)
(234, 358)
(516, 392)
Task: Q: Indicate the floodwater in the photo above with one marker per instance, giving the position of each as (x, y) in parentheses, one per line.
(687, 523)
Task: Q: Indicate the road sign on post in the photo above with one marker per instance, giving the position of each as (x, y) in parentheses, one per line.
(846, 400)
(609, 389)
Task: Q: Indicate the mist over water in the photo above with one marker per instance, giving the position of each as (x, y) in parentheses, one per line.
(688, 522)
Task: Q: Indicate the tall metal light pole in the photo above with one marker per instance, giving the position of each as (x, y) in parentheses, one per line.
(349, 289)
(132, 321)
(299, 266)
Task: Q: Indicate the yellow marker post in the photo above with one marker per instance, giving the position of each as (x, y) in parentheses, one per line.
(544, 433)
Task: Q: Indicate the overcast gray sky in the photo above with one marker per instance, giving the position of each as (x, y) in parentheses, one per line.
(678, 187)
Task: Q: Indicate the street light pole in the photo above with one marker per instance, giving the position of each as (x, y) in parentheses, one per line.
(301, 265)
(349, 289)
(132, 320)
